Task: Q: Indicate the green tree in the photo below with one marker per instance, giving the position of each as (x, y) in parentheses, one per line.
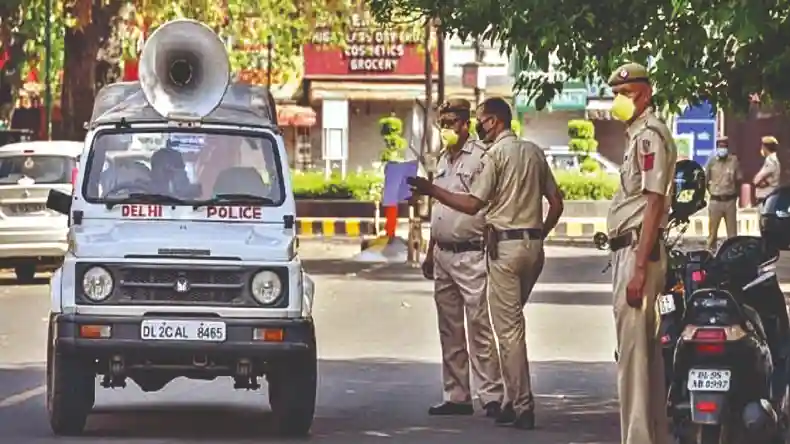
(90, 25)
(394, 143)
(722, 51)
(582, 134)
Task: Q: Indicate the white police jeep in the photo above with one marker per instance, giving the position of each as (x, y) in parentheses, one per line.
(182, 249)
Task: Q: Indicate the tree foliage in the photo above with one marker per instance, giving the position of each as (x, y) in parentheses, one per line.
(723, 51)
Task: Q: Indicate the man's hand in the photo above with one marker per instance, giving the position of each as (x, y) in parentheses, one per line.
(635, 291)
(427, 268)
(420, 185)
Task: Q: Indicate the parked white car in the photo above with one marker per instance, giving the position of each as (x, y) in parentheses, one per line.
(562, 158)
(33, 237)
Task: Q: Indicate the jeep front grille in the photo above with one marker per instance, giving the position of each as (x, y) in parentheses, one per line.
(205, 286)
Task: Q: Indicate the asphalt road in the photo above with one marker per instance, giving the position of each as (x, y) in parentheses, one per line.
(379, 371)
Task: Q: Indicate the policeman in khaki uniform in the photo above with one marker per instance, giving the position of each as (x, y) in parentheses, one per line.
(723, 173)
(639, 212)
(456, 261)
(510, 183)
(767, 179)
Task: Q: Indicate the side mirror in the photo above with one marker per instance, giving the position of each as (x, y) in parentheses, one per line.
(601, 241)
(59, 201)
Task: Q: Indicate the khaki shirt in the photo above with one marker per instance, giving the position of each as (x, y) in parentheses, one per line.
(448, 225)
(514, 178)
(770, 175)
(723, 176)
(648, 166)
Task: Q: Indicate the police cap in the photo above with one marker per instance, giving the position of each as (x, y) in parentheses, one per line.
(769, 140)
(454, 109)
(629, 73)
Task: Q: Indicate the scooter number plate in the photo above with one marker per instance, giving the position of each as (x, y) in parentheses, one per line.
(666, 304)
(709, 380)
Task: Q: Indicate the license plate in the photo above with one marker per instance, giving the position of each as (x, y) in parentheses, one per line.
(709, 380)
(28, 208)
(173, 330)
(666, 304)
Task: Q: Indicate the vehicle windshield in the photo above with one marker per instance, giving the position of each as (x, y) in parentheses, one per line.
(33, 168)
(183, 168)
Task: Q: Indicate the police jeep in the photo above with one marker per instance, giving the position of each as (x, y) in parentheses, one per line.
(181, 256)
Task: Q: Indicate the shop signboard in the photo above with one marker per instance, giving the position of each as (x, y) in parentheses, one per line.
(372, 50)
(572, 98)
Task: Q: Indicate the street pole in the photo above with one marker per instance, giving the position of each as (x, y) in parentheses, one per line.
(440, 54)
(479, 61)
(415, 217)
(48, 67)
(269, 49)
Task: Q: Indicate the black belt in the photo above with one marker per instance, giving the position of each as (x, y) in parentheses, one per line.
(725, 198)
(519, 234)
(461, 247)
(628, 239)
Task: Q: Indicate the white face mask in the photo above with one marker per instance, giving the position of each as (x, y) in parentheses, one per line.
(722, 152)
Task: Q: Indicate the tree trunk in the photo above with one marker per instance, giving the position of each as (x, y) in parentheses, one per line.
(81, 48)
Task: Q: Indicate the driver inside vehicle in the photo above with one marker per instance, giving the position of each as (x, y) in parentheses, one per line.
(169, 175)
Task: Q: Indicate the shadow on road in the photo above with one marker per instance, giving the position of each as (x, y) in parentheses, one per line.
(360, 401)
(7, 281)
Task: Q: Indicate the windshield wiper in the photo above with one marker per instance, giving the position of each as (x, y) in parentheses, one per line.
(234, 198)
(147, 198)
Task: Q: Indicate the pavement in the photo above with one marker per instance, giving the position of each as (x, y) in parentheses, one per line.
(379, 365)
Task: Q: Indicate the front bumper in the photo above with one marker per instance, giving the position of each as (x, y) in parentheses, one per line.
(298, 338)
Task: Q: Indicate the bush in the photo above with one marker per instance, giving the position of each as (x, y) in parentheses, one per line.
(575, 186)
(367, 186)
(359, 186)
(391, 129)
(582, 134)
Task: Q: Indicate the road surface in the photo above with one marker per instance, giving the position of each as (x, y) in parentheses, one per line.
(379, 371)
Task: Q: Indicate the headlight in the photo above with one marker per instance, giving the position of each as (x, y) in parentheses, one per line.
(97, 284)
(266, 287)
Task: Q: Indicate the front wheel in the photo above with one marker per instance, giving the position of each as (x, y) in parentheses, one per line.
(71, 391)
(293, 383)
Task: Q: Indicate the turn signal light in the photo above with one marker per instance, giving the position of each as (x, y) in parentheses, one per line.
(74, 172)
(698, 276)
(95, 331)
(268, 334)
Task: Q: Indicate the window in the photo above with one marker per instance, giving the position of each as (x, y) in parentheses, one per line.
(190, 166)
(40, 169)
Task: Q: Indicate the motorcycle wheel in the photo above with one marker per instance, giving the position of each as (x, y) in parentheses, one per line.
(712, 434)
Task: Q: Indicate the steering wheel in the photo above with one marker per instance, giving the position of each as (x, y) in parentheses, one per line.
(129, 187)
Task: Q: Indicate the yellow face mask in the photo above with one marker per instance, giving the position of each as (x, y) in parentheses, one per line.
(449, 137)
(623, 108)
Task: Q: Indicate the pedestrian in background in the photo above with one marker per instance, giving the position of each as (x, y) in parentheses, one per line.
(456, 262)
(724, 177)
(767, 179)
(511, 182)
(637, 217)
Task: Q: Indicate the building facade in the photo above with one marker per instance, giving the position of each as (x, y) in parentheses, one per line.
(380, 73)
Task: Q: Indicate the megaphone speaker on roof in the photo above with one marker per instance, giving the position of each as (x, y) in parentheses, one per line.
(184, 70)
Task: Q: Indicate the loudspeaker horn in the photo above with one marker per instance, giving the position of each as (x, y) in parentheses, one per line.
(184, 70)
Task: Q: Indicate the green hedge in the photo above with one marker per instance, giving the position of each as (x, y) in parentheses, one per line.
(367, 186)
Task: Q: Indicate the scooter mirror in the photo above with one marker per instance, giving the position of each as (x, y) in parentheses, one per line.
(763, 277)
(601, 241)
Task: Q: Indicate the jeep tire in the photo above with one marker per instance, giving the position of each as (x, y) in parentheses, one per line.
(293, 383)
(71, 390)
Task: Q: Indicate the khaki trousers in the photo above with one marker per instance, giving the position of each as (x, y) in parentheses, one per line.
(511, 278)
(460, 289)
(718, 210)
(640, 367)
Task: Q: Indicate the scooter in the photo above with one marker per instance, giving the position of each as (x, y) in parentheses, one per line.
(729, 382)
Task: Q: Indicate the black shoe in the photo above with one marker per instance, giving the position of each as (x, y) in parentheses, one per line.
(451, 408)
(493, 409)
(525, 421)
(507, 415)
